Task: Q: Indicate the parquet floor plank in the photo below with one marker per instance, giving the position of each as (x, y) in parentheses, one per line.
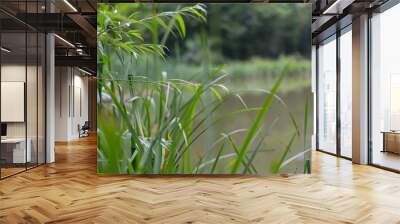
(70, 191)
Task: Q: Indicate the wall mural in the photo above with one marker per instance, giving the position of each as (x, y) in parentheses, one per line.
(204, 88)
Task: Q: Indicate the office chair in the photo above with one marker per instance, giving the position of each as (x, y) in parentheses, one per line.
(84, 130)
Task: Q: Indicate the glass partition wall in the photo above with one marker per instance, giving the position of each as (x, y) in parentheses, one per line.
(345, 91)
(334, 105)
(334, 94)
(22, 78)
(385, 89)
(327, 95)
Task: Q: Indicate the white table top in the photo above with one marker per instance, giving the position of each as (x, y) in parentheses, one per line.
(13, 140)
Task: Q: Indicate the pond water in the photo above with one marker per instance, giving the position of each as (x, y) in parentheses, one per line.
(277, 127)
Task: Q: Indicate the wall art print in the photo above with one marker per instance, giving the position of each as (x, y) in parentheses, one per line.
(204, 88)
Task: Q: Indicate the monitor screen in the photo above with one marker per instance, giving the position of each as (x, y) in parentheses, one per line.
(3, 129)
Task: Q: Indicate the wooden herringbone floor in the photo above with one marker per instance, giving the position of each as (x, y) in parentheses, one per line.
(70, 191)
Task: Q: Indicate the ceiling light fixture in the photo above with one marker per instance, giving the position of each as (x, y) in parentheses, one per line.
(5, 50)
(70, 5)
(84, 71)
(65, 41)
(337, 7)
(79, 51)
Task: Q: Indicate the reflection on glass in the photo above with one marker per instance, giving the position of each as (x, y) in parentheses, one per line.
(327, 96)
(31, 99)
(22, 90)
(15, 151)
(385, 84)
(346, 94)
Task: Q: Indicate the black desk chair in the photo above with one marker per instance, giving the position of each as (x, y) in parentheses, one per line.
(84, 130)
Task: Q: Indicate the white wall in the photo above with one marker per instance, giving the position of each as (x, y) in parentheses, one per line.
(62, 81)
(71, 102)
(14, 72)
(17, 73)
(33, 126)
(80, 110)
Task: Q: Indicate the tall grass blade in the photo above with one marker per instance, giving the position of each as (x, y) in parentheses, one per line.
(245, 160)
(277, 166)
(261, 114)
(307, 164)
(220, 151)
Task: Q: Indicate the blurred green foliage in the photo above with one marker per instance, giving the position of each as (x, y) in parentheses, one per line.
(232, 32)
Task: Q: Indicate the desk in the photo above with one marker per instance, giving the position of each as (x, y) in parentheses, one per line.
(391, 141)
(15, 148)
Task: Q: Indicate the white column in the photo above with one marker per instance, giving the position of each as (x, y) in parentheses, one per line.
(50, 99)
(360, 90)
